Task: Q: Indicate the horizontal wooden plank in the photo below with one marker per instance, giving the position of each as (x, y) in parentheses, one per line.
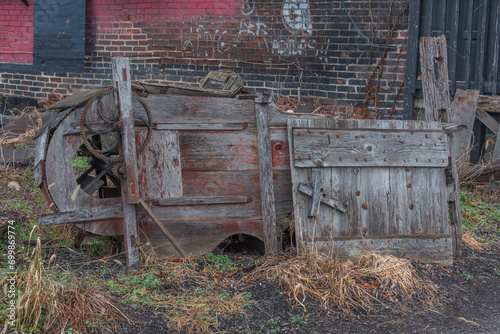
(325, 199)
(238, 183)
(227, 150)
(433, 249)
(318, 147)
(207, 200)
(182, 109)
(200, 126)
(82, 216)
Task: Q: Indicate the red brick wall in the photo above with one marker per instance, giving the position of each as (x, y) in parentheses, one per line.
(283, 46)
(16, 32)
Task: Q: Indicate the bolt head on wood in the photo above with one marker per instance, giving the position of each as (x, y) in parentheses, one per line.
(364, 206)
(358, 192)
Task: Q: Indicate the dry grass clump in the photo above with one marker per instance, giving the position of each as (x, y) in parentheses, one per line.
(320, 279)
(48, 304)
(469, 240)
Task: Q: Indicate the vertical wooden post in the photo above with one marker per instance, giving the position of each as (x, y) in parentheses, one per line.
(437, 108)
(266, 172)
(130, 192)
(411, 58)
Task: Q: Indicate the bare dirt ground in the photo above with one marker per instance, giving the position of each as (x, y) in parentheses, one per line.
(469, 290)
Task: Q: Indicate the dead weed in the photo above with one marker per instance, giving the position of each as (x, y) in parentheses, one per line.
(48, 304)
(345, 286)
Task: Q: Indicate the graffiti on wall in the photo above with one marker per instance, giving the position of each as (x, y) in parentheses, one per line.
(206, 39)
(296, 16)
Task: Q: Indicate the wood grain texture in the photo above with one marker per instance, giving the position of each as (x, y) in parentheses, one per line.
(200, 126)
(208, 200)
(367, 148)
(130, 193)
(436, 249)
(383, 202)
(162, 228)
(40, 155)
(159, 166)
(490, 104)
(266, 173)
(186, 109)
(122, 82)
(433, 53)
(464, 112)
(230, 150)
(437, 107)
(323, 198)
(82, 216)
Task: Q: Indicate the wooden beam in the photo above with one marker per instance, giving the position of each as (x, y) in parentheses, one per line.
(201, 126)
(262, 106)
(433, 52)
(437, 108)
(121, 80)
(82, 216)
(369, 148)
(130, 193)
(206, 200)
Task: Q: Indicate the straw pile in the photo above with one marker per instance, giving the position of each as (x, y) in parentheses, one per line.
(344, 286)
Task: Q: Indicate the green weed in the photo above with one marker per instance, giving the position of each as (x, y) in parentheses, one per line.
(80, 163)
(467, 276)
(298, 320)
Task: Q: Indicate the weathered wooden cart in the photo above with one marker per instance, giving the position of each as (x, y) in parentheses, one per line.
(204, 168)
